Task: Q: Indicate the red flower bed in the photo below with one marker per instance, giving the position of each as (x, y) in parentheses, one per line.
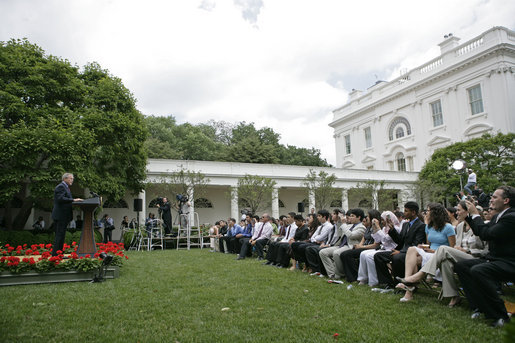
(21, 258)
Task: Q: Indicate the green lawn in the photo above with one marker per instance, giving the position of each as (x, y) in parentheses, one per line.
(178, 296)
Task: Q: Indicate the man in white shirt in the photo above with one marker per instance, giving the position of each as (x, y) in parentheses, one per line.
(262, 233)
(471, 182)
(271, 254)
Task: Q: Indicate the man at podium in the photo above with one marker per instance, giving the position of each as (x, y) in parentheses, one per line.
(62, 212)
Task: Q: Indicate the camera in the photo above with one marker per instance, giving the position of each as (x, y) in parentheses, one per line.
(181, 198)
(159, 201)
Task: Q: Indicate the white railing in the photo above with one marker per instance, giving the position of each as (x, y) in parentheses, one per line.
(431, 66)
(469, 47)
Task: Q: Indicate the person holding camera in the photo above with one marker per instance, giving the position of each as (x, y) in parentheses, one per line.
(183, 208)
(108, 224)
(166, 214)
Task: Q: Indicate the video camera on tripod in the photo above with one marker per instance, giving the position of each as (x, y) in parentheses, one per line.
(182, 199)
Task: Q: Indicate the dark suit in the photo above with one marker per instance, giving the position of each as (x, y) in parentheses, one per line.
(62, 214)
(166, 215)
(409, 236)
(480, 277)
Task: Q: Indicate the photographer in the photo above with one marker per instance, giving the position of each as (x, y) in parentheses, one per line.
(166, 214)
(108, 224)
(184, 209)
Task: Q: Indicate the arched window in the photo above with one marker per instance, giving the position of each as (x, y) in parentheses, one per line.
(203, 203)
(281, 203)
(152, 203)
(401, 162)
(115, 204)
(336, 203)
(399, 132)
(399, 123)
(366, 204)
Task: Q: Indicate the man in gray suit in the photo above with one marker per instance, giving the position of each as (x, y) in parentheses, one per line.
(352, 232)
(62, 211)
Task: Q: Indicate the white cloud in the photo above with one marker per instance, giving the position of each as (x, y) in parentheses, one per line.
(283, 64)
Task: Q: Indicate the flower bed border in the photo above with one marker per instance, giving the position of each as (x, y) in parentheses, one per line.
(14, 279)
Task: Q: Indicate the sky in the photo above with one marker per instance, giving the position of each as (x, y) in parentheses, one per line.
(283, 64)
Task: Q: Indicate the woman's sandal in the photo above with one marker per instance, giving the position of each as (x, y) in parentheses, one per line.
(407, 283)
(455, 301)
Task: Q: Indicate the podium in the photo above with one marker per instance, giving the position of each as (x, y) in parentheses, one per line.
(87, 237)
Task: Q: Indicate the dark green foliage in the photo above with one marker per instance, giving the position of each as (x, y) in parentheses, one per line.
(491, 157)
(56, 118)
(221, 141)
(255, 192)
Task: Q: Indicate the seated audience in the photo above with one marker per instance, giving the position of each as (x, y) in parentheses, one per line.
(274, 247)
(438, 232)
(319, 237)
(213, 237)
(260, 237)
(412, 234)
(367, 269)
(333, 240)
(480, 277)
(313, 225)
(350, 258)
(467, 247)
(351, 233)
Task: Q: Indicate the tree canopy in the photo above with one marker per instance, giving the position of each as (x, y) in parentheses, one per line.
(56, 117)
(222, 141)
(321, 185)
(255, 192)
(491, 157)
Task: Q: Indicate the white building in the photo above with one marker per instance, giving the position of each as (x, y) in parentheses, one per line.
(465, 92)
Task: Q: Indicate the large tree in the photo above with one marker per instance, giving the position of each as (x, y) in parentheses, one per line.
(491, 157)
(321, 185)
(222, 141)
(56, 117)
(255, 192)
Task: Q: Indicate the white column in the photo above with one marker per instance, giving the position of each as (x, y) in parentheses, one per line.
(311, 200)
(234, 203)
(275, 202)
(143, 214)
(345, 200)
(401, 199)
(192, 208)
(375, 202)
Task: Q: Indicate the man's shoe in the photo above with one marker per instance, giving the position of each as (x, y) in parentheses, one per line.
(499, 323)
(315, 274)
(268, 263)
(240, 258)
(475, 314)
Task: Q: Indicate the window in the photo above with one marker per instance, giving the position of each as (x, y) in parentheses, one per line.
(347, 144)
(203, 203)
(401, 162)
(368, 137)
(399, 132)
(476, 100)
(115, 204)
(436, 110)
(403, 124)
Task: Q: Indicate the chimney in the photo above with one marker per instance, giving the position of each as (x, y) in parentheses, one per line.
(449, 43)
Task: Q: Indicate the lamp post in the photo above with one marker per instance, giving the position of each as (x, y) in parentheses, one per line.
(459, 166)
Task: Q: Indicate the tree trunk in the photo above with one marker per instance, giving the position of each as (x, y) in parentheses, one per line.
(8, 215)
(23, 214)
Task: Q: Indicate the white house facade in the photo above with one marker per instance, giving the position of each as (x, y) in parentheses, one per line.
(467, 91)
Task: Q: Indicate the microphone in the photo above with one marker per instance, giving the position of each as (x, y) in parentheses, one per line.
(94, 194)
